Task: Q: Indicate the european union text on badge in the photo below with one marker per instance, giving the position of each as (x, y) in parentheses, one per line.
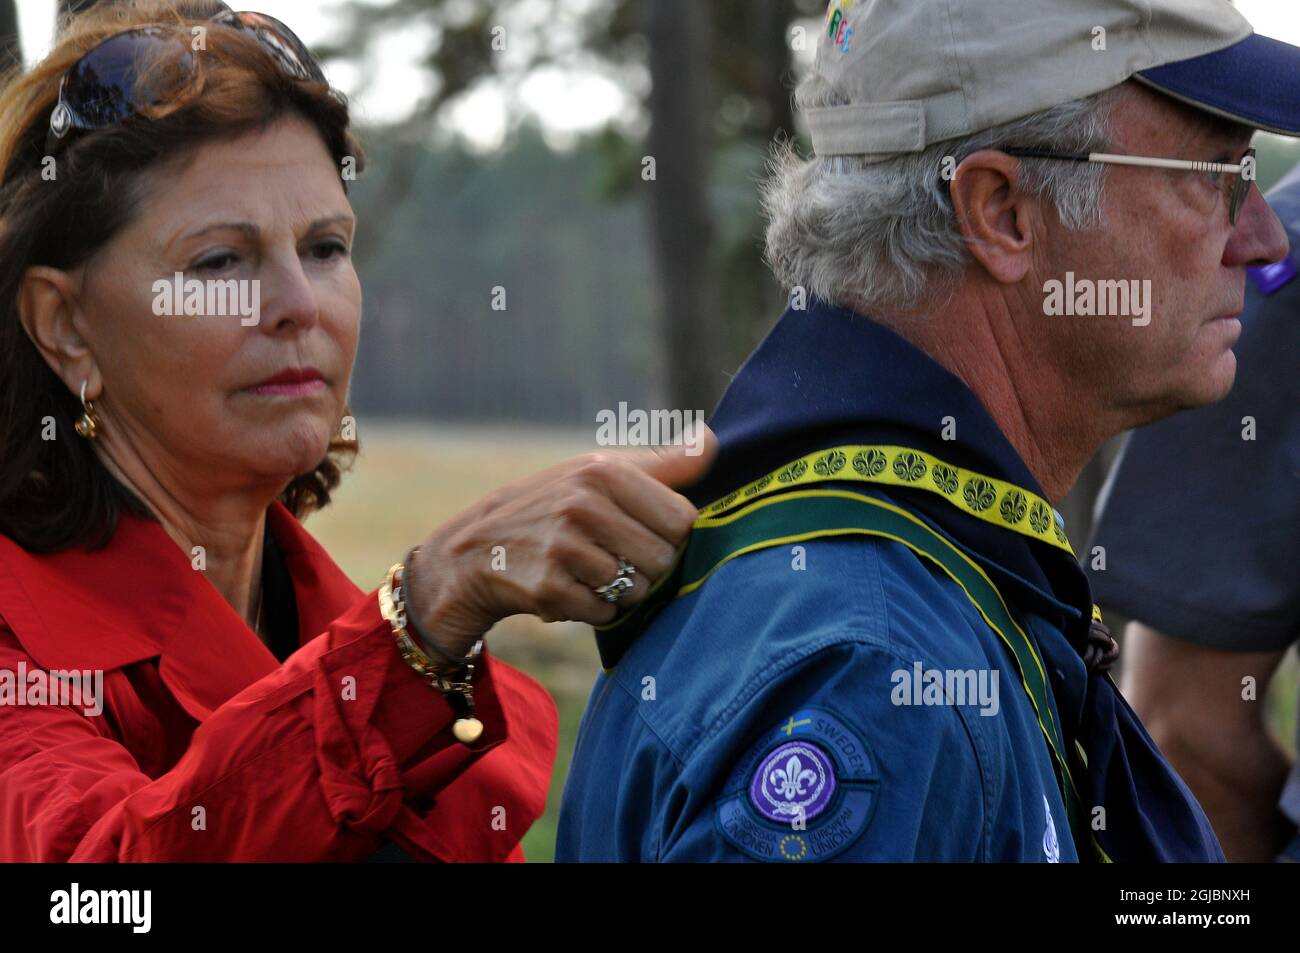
(1273, 277)
(805, 793)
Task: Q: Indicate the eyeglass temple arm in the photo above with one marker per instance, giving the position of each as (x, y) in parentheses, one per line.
(1190, 165)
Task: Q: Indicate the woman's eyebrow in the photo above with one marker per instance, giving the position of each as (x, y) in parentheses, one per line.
(344, 217)
(247, 228)
(252, 231)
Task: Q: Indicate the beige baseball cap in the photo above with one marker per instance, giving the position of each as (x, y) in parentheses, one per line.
(917, 72)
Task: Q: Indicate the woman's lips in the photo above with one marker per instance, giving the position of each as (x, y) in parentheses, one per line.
(294, 382)
(299, 389)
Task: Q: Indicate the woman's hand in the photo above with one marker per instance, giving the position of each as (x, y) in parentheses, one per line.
(541, 545)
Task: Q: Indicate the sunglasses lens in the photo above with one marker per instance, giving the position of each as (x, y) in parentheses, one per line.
(282, 43)
(150, 70)
(128, 73)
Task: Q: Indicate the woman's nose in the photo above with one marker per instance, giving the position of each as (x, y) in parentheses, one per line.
(288, 297)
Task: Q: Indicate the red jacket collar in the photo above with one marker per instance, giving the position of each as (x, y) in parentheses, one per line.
(138, 598)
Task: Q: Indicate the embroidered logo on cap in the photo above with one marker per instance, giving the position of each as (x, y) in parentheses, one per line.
(837, 23)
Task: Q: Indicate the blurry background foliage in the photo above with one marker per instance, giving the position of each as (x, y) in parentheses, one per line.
(616, 288)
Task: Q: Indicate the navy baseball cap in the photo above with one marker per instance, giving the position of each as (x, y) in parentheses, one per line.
(1255, 82)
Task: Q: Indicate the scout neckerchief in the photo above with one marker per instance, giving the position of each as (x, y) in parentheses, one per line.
(776, 509)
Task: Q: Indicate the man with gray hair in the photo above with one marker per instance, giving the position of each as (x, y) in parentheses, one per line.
(1026, 228)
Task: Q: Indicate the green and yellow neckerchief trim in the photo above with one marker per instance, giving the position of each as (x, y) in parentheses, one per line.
(810, 514)
(983, 497)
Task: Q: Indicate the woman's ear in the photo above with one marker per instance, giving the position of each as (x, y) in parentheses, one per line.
(48, 308)
(996, 218)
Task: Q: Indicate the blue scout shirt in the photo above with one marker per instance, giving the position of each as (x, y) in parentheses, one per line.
(780, 711)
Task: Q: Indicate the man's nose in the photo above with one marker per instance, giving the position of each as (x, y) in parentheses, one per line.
(1258, 238)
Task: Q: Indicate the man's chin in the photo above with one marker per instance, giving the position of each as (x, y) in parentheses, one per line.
(1224, 376)
(1214, 385)
(1209, 387)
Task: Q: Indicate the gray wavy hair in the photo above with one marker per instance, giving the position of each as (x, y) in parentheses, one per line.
(881, 236)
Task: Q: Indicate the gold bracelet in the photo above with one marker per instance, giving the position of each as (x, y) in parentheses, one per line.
(460, 690)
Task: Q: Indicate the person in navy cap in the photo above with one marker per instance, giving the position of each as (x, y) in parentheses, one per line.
(1200, 533)
(1026, 229)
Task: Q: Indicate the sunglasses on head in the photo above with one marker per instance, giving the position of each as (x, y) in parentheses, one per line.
(151, 71)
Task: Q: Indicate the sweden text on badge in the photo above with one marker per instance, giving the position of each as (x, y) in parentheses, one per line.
(805, 793)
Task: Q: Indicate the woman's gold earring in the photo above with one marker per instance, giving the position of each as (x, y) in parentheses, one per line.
(88, 423)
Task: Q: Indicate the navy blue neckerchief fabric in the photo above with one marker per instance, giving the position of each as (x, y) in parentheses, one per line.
(826, 377)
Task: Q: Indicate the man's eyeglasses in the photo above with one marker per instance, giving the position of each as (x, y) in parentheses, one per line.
(151, 71)
(1236, 191)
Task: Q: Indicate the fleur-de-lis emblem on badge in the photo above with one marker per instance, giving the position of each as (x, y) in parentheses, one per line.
(1013, 507)
(909, 466)
(945, 478)
(792, 780)
(796, 779)
(833, 462)
(979, 494)
(869, 462)
(1039, 517)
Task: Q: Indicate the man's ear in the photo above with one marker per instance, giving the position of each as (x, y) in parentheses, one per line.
(48, 309)
(996, 219)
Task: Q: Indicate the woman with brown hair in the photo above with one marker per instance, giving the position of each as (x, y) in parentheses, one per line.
(176, 281)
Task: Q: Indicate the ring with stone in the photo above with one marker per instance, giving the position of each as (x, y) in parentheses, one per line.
(620, 585)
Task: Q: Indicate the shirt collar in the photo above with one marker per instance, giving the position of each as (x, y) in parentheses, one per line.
(82, 609)
(827, 375)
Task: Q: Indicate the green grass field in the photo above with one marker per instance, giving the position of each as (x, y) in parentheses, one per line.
(410, 478)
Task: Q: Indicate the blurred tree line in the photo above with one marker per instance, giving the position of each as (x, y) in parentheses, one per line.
(717, 92)
(498, 290)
